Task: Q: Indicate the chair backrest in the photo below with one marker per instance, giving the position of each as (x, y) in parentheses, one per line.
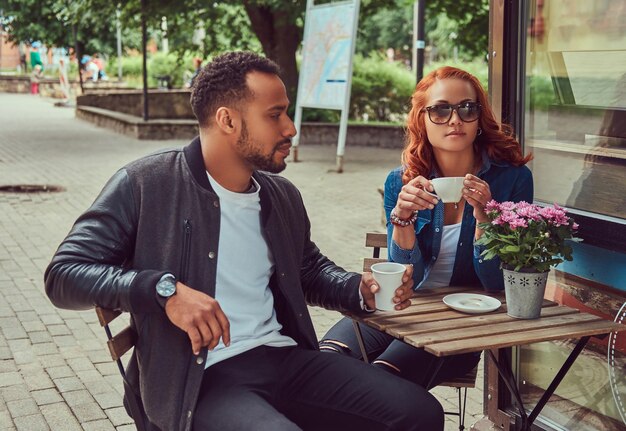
(376, 241)
(119, 344)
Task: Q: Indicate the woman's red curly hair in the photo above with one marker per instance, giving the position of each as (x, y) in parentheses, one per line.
(496, 139)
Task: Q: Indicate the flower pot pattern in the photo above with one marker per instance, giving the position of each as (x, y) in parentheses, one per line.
(524, 293)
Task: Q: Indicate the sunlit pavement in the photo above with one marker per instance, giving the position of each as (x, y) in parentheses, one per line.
(55, 370)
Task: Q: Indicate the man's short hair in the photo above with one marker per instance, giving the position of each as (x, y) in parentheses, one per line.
(222, 82)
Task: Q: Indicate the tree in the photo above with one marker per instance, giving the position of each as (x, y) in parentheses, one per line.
(277, 25)
(393, 27)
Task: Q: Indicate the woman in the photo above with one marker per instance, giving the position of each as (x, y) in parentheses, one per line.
(452, 132)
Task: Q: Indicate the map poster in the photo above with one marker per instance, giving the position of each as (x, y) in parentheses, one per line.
(327, 53)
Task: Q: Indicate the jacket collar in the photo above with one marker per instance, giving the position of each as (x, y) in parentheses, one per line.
(195, 161)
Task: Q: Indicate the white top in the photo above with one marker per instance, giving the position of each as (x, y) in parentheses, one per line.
(244, 267)
(441, 272)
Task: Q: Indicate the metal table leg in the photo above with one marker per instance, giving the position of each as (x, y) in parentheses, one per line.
(359, 337)
(504, 369)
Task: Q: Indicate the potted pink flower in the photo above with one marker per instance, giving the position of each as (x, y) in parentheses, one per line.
(529, 240)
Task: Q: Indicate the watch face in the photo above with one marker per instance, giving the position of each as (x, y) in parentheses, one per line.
(166, 287)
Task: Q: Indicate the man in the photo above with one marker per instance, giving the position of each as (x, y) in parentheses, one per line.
(213, 259)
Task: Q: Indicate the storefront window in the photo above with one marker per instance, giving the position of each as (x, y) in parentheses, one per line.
(575, 113)
(575, 125)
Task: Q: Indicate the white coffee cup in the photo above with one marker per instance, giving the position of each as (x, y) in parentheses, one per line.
(448, 189)
(388, 276)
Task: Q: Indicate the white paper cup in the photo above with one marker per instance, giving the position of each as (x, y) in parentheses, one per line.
(388, 276)
(449, 189)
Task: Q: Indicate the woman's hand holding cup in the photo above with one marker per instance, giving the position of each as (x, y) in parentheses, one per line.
(416, 195)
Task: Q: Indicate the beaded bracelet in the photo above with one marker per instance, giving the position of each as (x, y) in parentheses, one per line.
(395, 220)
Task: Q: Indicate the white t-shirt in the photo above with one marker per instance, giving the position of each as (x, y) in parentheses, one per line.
(441, 272)
(244, 267)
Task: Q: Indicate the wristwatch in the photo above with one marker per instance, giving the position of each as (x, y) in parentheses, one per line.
(165, 288)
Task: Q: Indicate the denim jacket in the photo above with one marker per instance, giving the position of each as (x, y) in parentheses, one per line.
(507, 183)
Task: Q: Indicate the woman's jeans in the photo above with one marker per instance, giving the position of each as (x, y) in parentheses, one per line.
(384, 351)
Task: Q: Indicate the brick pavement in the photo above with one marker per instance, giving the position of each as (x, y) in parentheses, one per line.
(55, 371)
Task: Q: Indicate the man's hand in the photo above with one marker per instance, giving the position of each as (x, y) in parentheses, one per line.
(200, 316)
(403, 295)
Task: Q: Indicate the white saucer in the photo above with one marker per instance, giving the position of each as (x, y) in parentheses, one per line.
(471, 303)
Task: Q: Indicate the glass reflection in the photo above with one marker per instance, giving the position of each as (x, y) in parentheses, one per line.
(575, 124)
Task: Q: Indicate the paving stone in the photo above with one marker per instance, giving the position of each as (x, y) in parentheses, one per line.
(101, 425)
(40, 337)
(25, 407)
(88, 412)
(38, 380)
(118, 416)
(60, 418)
(90, 376)
(107, 400)
(80, 364)
(59, 330)
(34, 422)
(5, 420)
(51, 319)
(46, 396)
(5, 353)
(15, 392)
(10, 378)
(45, 348)
(58, 372)
(64, 340)
(74, 398)
(67, 384)
(33, 325)
(108, 368)
(126, 428)
(28, 316)
(53, 360)
(7, 366)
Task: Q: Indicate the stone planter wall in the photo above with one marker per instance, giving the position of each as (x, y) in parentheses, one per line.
(51, 87)
(170, 104)
(171, 116)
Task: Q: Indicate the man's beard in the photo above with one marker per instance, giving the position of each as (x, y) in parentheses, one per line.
(252, 154)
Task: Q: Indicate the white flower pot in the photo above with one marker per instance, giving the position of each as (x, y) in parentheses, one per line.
(524, 292)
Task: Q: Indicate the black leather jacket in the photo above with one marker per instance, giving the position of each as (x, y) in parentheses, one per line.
(157, 215)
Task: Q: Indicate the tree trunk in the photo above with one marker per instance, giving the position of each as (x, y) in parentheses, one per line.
(280, 37)
(79, 49)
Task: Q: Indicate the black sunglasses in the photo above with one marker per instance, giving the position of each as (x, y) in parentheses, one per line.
(441, 114)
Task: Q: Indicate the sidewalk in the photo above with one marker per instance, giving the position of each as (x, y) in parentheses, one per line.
(55, 370)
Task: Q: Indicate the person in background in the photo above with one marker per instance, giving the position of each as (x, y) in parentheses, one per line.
(35, 77)
(197, 62)
(451, 132)
(91, 70)
(63, 81)
(35, 55)
(210, 251)
(100, 64)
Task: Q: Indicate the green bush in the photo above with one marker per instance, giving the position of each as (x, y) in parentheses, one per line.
(476, 67)
(131, 66)
(159, 64)
(169, 64)
(381, 90)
